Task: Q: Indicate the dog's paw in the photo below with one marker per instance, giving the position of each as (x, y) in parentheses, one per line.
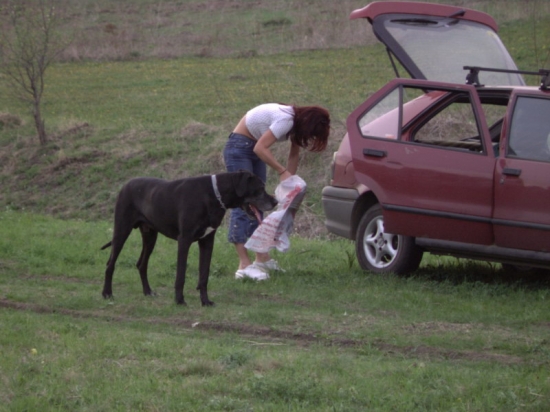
(208, 303)
(181, 302)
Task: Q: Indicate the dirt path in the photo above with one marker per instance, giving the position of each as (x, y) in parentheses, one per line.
(263, 335)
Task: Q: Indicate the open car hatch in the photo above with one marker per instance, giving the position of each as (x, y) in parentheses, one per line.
(435, 42)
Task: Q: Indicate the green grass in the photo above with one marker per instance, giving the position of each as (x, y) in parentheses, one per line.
(320, 336)
(170, 119)
(133, 368)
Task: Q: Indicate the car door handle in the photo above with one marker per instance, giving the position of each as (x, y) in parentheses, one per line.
(374, 153)
(511, 172)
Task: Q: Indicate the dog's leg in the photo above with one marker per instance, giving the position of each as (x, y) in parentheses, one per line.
(119, 238)
(184, 243)
(149, 239)
(206, 246)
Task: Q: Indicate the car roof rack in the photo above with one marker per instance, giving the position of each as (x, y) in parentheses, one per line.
(473, 76)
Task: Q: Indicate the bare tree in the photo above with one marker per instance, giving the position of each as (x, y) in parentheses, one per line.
(29, 42)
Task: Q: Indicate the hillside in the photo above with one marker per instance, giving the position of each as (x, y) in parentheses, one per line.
(155, 90)
(108, 30)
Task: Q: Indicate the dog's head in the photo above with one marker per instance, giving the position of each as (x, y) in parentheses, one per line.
(251, 190)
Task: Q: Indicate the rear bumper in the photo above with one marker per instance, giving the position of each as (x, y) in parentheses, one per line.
(338, 205)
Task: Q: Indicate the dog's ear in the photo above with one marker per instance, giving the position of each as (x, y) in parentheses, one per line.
(244, 180)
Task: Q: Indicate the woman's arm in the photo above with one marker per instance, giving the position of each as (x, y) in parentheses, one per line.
(262, 150)
(293, 159)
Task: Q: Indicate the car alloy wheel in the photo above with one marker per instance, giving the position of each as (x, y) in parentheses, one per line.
(382, 252)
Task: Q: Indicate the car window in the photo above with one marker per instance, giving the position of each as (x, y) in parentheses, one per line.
(454, 126)
(453, 44)
(440, 118)
(385, 117)
(494, 115)
(529, 136)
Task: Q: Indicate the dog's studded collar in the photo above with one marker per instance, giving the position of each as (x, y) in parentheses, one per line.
(217, 192)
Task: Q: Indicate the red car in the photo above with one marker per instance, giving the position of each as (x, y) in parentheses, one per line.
(455, 160)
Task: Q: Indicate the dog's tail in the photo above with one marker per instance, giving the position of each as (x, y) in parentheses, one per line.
(106, 245)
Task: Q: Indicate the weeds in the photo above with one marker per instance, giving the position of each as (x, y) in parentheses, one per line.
(9, 121)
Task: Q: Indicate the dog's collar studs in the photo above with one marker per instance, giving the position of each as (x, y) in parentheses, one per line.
(217, 192)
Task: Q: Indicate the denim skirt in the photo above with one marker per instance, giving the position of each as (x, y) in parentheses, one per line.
(238, 154)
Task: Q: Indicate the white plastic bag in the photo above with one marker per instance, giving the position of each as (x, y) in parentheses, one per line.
(276, 228)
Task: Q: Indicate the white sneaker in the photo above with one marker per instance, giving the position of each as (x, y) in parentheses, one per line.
(253, 272)
(271, 264)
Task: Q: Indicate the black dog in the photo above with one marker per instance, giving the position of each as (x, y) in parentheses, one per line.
(186, 210)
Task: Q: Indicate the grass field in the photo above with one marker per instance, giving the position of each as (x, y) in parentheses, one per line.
(167, 118)
(322, 336)
(131, 98)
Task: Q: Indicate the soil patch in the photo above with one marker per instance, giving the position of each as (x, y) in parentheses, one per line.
(278, 336)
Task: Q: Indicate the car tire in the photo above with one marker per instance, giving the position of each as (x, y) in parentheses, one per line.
(525, 270)
(507, 267)
(381, 252)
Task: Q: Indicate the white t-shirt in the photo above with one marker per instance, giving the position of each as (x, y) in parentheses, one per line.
(273, 116)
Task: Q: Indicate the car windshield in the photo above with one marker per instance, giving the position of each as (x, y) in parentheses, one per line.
(437, 48)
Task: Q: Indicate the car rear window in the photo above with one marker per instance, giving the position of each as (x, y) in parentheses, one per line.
(438, 48)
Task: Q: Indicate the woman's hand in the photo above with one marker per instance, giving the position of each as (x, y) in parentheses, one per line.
(285, 175)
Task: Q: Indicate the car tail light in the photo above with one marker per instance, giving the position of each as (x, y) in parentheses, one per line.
(333, 166)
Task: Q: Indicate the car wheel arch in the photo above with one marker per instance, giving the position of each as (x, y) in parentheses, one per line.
(362, 204)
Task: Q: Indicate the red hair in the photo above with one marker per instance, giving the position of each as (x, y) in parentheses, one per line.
(311, 128)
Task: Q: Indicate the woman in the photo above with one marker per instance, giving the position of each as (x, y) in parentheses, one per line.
(248, 148)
